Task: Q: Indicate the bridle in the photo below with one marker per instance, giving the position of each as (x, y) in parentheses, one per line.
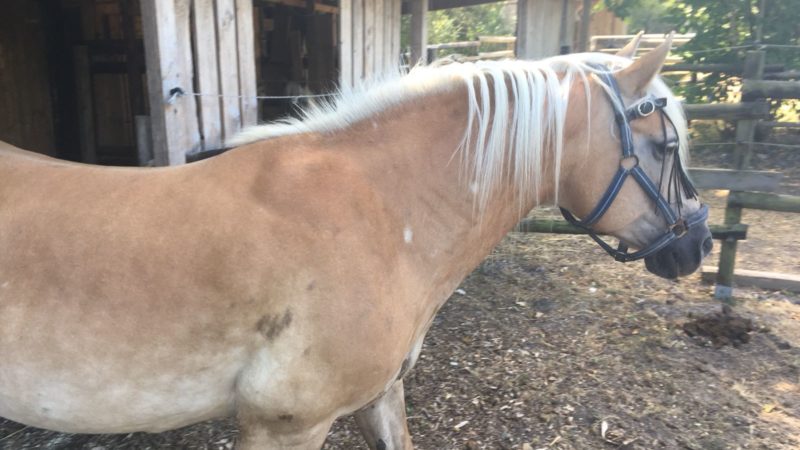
(629, 165)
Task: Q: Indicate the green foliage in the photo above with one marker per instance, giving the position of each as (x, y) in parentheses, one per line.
(465, 24)
(650, 15)
(443, 28)
(719, 25)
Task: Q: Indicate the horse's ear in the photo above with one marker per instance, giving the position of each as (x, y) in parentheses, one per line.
(630, 49)
(635, 78)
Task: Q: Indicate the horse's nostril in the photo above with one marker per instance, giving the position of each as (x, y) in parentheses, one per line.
(707, 245)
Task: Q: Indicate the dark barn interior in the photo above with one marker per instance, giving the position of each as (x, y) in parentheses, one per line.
(72, 72)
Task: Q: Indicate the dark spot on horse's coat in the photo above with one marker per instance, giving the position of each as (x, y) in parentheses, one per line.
(307, 351)
(311, 286)
(380, 445)
(286, 417)
(271, 326)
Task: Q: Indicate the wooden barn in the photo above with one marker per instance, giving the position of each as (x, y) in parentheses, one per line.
(137, 82)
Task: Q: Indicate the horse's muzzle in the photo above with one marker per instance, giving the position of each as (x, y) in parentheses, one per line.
(683, 256)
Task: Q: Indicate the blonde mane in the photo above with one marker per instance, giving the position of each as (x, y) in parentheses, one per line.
(531, 96)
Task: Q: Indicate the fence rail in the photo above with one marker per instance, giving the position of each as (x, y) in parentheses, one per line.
(493, 52)
(727, 111)
(775, 89)
(736, 231)
(731, 69)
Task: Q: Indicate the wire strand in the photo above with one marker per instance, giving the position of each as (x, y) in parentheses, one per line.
(740, 47)
(263, 97)
(766, 144)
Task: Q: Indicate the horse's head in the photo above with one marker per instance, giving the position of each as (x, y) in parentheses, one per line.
(625, 175)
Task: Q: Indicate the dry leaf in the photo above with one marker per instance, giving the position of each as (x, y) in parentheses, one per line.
(768, 408)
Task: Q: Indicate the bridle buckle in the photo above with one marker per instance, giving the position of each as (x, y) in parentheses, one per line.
(646, 108)
(679, 228)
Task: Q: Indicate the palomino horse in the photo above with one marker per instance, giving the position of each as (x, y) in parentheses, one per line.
(291, 280)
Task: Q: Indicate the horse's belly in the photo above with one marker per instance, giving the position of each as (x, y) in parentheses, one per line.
(161, 402)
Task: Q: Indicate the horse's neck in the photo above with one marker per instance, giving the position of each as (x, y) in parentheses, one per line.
(410, 153)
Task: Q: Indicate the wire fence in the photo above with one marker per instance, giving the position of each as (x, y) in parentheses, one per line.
(764, 144)
(745, 46)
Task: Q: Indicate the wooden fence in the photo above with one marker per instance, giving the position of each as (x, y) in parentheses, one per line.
(748, 189)
(485, 47)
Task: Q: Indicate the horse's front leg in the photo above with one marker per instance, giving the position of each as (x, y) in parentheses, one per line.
(257, 432)
(383, 422)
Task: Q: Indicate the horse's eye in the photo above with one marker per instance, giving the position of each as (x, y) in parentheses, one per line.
(671, 147)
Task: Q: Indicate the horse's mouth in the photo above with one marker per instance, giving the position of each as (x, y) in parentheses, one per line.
(683, 256)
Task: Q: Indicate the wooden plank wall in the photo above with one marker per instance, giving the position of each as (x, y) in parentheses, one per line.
(221, 69)
(26, 117)
(369, 40)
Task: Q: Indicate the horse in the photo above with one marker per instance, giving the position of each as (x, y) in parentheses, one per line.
(291, 280)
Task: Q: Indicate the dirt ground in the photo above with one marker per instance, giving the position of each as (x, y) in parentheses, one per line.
(550, 344)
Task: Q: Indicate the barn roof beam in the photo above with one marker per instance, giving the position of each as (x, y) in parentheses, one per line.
(435, 5)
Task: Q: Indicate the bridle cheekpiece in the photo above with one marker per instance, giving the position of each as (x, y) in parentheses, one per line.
(629, 166)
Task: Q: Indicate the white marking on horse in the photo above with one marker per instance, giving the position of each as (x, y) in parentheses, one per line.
(408, 234)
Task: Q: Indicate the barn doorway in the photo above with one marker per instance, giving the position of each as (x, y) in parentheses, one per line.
(72, 78)
(296, 52)
(73, 75)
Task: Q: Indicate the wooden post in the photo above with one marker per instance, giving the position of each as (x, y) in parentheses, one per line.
(170, 73)
(745, 132)
(396, 21)
(132, 58)
(586, 22)
(419, 31)
(346, 43)
(538, 28)
(358, 40)
(369, 39)
(83, 90)
(566, 32)
(144, 149)
(379, 25)
(388, 36)
(205, 48)
(245, 42)
(228, 67)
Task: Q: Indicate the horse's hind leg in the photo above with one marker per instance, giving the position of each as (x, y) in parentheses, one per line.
(383, 422)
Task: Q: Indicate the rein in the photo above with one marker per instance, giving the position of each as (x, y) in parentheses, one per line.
(629, 166)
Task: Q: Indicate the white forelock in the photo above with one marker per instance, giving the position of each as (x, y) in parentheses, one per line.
(532, 96)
